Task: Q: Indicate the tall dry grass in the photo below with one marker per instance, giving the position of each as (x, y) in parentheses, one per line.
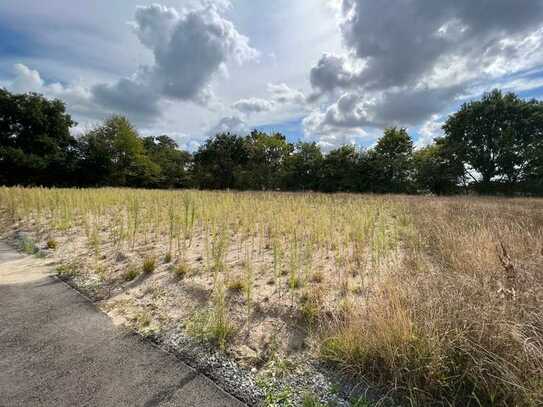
(459, 322)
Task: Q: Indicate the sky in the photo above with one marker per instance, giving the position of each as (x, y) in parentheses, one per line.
(330, 71)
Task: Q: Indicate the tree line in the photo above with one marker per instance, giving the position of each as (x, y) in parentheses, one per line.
(491, 145)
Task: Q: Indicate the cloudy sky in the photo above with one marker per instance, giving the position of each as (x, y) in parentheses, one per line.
(329, 71)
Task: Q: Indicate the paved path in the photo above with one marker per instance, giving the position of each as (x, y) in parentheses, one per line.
(57, 349)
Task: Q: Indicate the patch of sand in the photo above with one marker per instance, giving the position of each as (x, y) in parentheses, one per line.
(16, 268)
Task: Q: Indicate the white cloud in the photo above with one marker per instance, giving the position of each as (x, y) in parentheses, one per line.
(431, 129)
(229, 124)
(77, 97)
(253, 105)
(283, 94)
(189, 48)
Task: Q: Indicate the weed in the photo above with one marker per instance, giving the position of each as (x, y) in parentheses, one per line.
(214, 324)
(310, 400)
(149, 264)
(27, 245)
(273, 396)
(131, 273)
(68, 270)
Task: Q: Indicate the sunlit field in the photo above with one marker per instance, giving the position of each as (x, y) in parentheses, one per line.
(429, 300)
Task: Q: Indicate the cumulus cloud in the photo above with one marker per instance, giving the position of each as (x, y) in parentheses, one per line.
(343, 122)
(77, 97)
(253, 105)
(407, 60)
(431, 129)
(403, 41)
(331, 73)
(189, 48)
(281, 95)
(232, 124)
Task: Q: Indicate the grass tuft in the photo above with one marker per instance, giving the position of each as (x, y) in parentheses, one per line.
(149, 264)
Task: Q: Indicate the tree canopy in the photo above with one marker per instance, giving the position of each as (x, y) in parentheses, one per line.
(36, 146)
(497, 138)
(491, 145)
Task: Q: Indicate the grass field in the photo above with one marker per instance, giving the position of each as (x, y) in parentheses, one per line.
(432, 300)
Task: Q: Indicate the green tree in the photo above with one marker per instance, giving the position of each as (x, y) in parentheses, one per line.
(36, 146)
(435, 171)
(266, 154)
(391, 162)
(495, 137)
(114, 154)
(302, 168)
(218, 163)
(340, 170)
(174, 164)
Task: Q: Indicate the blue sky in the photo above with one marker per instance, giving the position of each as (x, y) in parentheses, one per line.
(329, 71)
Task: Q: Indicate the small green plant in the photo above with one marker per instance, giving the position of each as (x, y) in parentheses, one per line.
(311, 304)
(311, 400)
(149, 264)
(52, 244)
(28, 246)
(131, 273)
(67, 270)
(360, 402)
(213, 325)
(168, 258)
(294, 282)
(273, 396)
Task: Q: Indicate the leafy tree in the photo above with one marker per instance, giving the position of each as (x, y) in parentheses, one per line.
(174, 164)
(36, 146)
(302, 168)
(266, 154)
(391, 162)
(219, 161)
(495, 137)
(435, 171)
(114, 154)
(339, 170)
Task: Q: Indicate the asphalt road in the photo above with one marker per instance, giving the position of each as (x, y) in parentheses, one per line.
(57, 349)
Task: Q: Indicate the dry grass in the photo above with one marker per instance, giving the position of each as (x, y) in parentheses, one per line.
(436, 299)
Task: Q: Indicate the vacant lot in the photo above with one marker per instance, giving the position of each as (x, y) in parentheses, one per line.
(434, 300)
